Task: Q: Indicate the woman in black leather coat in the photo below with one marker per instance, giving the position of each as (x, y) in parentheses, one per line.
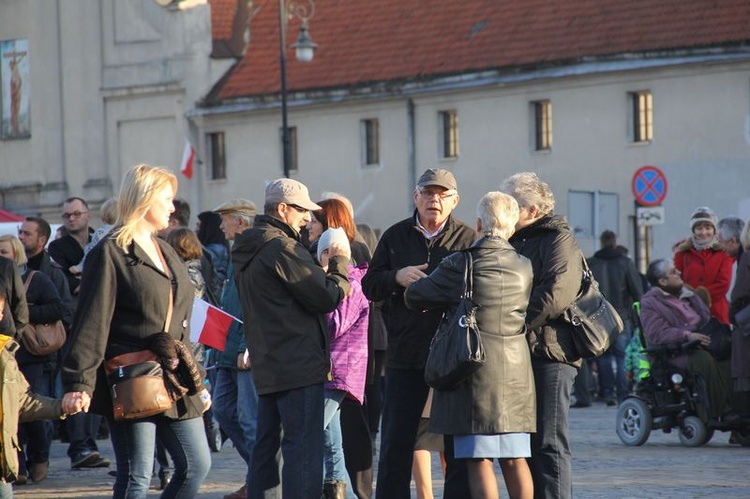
(492, 413)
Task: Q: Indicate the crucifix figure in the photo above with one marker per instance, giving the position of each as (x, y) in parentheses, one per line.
(16, 84)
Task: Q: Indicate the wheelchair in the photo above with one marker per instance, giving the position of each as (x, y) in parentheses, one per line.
(670, 398)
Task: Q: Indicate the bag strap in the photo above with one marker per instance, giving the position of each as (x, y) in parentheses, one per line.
(468, 276)
(170, 304)
(26, 282)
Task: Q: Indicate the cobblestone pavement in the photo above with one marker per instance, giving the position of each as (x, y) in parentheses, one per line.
(602, 467)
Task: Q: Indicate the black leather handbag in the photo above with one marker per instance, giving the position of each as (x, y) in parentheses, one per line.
(596, 323)
(456, 351)
(721, 338)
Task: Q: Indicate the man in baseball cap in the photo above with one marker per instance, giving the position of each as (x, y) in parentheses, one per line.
(284, 296)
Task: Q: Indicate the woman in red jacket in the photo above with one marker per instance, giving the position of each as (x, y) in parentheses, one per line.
(702, 263)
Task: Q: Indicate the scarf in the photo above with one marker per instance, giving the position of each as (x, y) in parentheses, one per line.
(703, 245)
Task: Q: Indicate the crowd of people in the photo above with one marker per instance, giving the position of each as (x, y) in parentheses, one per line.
(333, 329)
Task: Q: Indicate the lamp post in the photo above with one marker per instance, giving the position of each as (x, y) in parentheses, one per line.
(304, 51)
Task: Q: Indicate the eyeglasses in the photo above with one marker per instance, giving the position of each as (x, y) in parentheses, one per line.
(429, 194)
(298, 208)
(74, 214)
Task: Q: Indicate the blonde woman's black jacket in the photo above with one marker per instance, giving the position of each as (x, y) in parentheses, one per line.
(403, 245)
(124, 300)
(284, 296)
(558, 268)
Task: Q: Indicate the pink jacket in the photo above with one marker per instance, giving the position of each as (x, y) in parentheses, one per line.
(348, 327)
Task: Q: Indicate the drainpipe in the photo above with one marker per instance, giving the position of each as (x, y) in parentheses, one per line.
(411, 150)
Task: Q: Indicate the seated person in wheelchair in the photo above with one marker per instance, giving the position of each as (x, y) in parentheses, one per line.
(672, 313)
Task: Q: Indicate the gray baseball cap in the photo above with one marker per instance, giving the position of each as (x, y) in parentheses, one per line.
(439, 177)
(289, 191)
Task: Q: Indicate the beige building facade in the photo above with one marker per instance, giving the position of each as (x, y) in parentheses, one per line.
(118, 82)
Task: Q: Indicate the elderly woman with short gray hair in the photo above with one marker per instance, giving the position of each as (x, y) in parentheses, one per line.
(492, 413)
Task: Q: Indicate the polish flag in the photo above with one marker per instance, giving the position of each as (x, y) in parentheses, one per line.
(188, 156)
(210, 325)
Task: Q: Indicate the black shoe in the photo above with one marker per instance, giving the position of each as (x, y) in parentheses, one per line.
(580, 404)
(102, 462)
(112, 473)
(84, 460)
(611, 402)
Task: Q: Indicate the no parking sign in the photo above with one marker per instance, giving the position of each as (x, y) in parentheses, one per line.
(649, 186)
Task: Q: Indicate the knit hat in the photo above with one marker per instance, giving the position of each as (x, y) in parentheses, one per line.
(703, 214)
(330, 236)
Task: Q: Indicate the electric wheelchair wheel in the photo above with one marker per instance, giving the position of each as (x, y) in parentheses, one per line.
(633, 421)
(693, 432)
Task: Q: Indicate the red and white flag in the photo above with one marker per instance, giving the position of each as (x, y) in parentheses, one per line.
(188, 157)
(210, 325)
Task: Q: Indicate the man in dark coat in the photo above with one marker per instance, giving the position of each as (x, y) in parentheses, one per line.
(67, 252)
(546, 240)
(621, 284)
(34, 235)
(408, 251)
(287, 296)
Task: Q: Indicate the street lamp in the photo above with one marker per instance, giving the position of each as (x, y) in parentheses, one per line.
(304, 51)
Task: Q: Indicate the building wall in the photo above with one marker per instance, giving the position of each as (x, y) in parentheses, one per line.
(111, 81)
(700, 142)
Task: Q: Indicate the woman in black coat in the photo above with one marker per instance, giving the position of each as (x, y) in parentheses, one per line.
(45, 306)
(126, 286)
(493, 412)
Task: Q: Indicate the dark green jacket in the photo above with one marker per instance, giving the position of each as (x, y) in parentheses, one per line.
(19, 404)
(285, 296)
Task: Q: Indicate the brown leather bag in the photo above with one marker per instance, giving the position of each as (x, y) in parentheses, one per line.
(136, 382)
(42, 339)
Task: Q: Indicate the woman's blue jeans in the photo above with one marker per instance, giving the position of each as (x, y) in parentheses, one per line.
(133, 443)
(334, 464)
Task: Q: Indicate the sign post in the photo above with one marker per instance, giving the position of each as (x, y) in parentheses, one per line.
(649, 186)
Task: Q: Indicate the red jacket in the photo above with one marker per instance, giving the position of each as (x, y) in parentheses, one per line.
(710, 268)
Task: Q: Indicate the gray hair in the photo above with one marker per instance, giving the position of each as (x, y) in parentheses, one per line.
(657, 270)
(529, 190)
(730, 228)
(498, 213)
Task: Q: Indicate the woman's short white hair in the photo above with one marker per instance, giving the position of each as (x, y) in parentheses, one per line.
(529, 190)
(498, 213)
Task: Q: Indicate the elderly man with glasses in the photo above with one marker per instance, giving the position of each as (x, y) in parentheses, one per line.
(407, 252)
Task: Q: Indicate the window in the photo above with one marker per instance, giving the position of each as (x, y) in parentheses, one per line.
(448, 122)
(293, 165)
(218, 156)
(370, 141)
(542, 112)
(643, 116)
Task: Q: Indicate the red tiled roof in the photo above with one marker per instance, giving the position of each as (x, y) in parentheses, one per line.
(362, 41)
(222, 18)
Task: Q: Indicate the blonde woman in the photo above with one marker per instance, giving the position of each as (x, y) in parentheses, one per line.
(125, 287)
(45, 306)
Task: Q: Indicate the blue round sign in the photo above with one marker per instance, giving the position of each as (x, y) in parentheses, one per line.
(649, 186)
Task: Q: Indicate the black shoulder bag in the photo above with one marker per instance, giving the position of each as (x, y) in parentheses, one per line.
(456, 350)
(596, 323)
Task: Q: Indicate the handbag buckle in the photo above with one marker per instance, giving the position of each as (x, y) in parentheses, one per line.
(120, 372)
(576, 321)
